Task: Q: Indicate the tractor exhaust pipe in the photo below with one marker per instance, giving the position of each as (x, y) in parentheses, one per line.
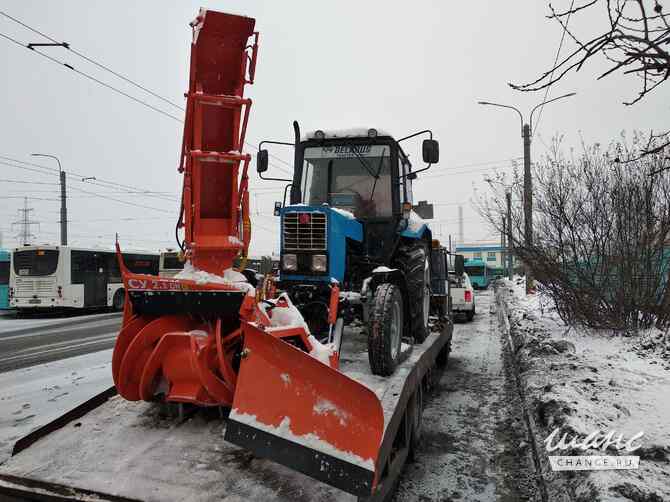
(296, 196)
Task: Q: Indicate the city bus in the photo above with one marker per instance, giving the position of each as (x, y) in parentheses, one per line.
(4, 279)
(478, 272)
(64, 277)
(170, 263)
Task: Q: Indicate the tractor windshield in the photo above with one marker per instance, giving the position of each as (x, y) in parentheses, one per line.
(352, 177)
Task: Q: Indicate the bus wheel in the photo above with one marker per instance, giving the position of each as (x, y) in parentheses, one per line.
(119, 299)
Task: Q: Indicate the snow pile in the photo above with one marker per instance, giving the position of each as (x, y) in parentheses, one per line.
(230, 277)
(290, 317)
(584, 381)
(283, 317)
(415, 222)
(313, 441)
(321, 351)
(353, 132)
(343, 212)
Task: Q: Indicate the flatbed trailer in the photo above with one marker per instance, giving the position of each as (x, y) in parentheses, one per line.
(110, 449)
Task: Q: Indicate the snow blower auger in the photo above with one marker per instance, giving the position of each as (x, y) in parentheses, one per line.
(206, 337)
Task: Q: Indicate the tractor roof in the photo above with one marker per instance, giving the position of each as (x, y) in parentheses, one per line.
(354, 132)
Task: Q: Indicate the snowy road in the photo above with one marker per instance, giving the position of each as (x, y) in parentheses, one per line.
(32, 397)
(472, 429)
(27, 342)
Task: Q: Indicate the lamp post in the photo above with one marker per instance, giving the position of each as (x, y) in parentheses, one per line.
(526, 132)
(63, 204)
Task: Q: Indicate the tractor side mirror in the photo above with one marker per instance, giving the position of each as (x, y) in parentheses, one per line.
(459, 264)
(431, 151)
(278, 206)
(262, 161)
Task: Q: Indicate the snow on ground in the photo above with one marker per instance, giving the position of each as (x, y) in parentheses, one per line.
(32, 397)
(584, 381)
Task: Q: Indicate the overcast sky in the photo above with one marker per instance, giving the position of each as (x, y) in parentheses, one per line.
(393, 65)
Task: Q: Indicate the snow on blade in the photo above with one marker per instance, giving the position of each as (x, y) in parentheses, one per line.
(324, 406)
(283, 430)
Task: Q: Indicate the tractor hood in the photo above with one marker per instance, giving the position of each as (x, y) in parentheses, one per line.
(317, 230)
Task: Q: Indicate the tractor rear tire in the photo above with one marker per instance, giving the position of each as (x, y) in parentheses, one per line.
(414, 261)
(385, 329)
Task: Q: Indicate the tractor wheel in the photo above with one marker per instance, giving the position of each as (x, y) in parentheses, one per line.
(413, 261)
(119, 299)
(385, 329)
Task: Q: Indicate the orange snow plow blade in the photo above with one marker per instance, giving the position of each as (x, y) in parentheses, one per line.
(292, 408)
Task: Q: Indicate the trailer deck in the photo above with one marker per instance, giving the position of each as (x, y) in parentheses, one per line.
(121, 450)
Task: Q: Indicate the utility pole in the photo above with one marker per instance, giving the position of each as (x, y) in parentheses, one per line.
(510, 269)
(63, 198)
(25, 222)
(526, 134)
(527, 203)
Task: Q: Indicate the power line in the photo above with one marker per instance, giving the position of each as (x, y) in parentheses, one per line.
(92, 78)
(120, 201)
(119, 75)
(558, 52)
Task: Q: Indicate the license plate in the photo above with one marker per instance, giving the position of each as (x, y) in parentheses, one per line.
(34, 300)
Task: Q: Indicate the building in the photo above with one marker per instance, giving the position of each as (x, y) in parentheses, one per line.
(490, 253)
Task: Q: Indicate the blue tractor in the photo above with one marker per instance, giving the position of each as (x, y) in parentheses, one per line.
(350, 222)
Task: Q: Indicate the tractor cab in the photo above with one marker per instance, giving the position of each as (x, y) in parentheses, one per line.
(360, 174)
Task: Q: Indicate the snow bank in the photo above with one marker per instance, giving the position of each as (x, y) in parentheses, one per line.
(591, 381)
(321, 351)
(313, 441)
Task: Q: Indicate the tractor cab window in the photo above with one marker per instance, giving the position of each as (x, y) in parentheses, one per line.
(352, 177)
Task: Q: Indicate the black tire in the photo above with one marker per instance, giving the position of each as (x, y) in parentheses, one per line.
(414, 261)
(470, 315)
(416, 413)
(119, 299)
(386, 323)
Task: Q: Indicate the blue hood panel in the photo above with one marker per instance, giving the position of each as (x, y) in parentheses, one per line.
(340, 227)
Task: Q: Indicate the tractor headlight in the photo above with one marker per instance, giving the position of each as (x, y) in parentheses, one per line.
(319, 263)
(290, 262)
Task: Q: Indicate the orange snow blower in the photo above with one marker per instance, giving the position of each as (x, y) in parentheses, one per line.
(206, 336)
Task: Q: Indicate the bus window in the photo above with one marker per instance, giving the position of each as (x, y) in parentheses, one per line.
(35, 262)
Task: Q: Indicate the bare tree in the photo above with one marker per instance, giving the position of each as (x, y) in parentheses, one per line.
(635, 40)
(602, 230)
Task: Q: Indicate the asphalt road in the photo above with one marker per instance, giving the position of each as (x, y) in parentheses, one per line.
(27, 342)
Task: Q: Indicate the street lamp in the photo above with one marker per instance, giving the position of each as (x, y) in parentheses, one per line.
(63, 206)
(526, 130)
